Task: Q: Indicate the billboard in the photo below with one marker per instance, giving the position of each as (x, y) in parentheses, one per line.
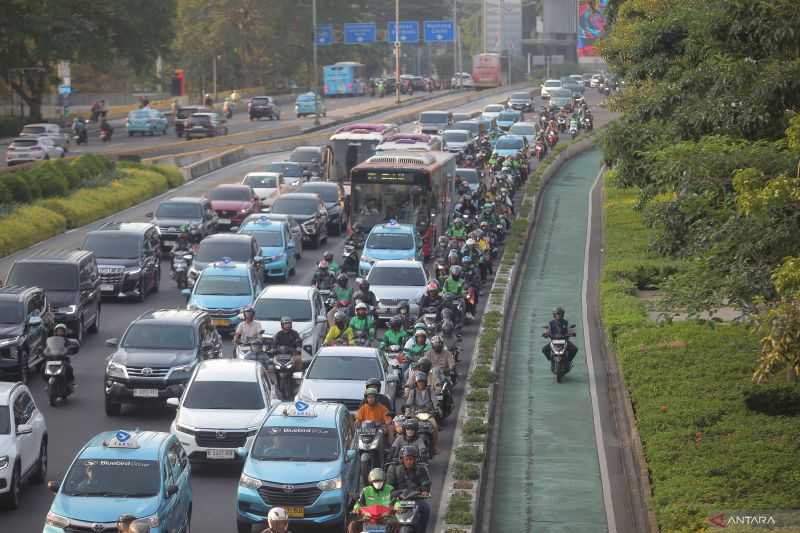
(591, 27)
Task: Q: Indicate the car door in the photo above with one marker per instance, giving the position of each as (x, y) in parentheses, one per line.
(26, 441)
(266, 389)
(180, 476)
(291, 259)
(89, 294)
(168, 510)
(320, 321)
(149, 264)
(349, 443)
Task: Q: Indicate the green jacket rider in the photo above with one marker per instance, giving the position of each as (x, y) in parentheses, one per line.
(333, 266)
(363, 322)
(395, 335)
(378, 492)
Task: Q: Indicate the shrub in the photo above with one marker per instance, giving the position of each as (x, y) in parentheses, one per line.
(473, 426)
(17, 184)
(783, 400)
(459, 509)
(28, 225)
(49, 181)
(469, 454)
(478, 395)
(468, 471)
(171, 173)
(5, 194)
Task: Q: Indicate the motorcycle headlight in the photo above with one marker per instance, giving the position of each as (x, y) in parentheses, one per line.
(249, 482)
(67, 310)
(56, 520)
(374, 444)
(244, 211)
(3, 462)
(116, 370)
(330, 484)
(11, 341)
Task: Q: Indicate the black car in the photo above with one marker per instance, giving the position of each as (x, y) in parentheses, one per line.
(309, 210)
(263, 107)
(205, 125)
(191, 211)
(156, 356)
(237, 247)
(333, 196)
(292, 171)
(128, 258)
(310, 158)
(71, 283)
(25, 325)
(183, 114)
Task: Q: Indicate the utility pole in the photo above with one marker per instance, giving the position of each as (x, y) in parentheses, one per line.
(485, 12)
(214, 75)
(456, 72)
(397, 50)
(315, 77)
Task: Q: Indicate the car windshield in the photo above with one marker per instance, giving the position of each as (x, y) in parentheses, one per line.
(181, 210)
(231, 194)
(10, 312)
(215, 250)
(140, 114)
(560, 93)
(304, 156)
(273, 309)
(469, 126)
(34, 130)
(200, 119)
(300, 444)
(328, 194)
(455, 137)
(261, 182)
(294, 206)
(520, 96)
(507, 117)
(291, 170)
(265, 238)
(495, 108)
(520, 129)
(223, 285)
(48, 276)
(433, 118)
(122, 478)
(159, 336)
(241, 395)
(186, 112)
(509, 144)
(260, 101)
(344, 367)
(396, 277)
(306, 98)
(552, 84)
(468, 175)
(390, 241)
(113, 245)
(5, 420)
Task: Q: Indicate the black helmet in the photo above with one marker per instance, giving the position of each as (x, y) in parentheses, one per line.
(409, 451)
(455, 271)
(342, 280)
(374, 383)
(286, 320)
(424, 365)
(395, 322)
(411, 424)
(364, 285)
(558, 311)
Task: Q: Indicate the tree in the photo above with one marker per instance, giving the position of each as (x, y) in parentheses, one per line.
(36, 34)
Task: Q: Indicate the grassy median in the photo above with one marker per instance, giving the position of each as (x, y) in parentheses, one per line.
(706, 451)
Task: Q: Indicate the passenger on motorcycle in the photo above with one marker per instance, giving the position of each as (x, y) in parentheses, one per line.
(249, 329)
(378, 492)
(411, 476)
(289, 339)
(454, 284)
(340, 333)
(457, 230)
(323, 278)
(440, 356)
(416, 347)
(333, 266)
(363, 325)
(277, 521)
(420, 400)
(409, 437)
(60, 331)
(395, 335)
(558, 328)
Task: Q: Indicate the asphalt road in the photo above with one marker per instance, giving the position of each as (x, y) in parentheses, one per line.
(71, 425)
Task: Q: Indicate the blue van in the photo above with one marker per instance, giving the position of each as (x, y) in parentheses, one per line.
(390, 241)
(303, 459)
(278, 258)
(308, 104)
(223, 290)
(142, 473)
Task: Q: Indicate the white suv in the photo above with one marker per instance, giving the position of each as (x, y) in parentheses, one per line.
(222, 409)
(23, 442)
(549, 85)
(27, 149)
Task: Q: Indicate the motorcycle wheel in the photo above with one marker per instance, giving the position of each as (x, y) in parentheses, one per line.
(52, 395)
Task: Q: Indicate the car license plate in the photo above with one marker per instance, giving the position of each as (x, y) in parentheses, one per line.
(145, 393)
(106, 288)
(221, 322)
(220, 453)
(223, 221)
(295, 511)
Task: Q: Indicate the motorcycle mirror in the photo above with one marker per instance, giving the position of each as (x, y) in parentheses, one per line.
(149, 214)
(297, 376)
(188, 257)
(173, 402)
(53, 486)
(113, 342)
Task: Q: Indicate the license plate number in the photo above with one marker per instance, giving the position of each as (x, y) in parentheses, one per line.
(219, 453)
(220, 322)
(223, 221)
(145, 393)
(295, 511)
(106, 287)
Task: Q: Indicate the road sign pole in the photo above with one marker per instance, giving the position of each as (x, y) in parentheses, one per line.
(315, 77)
(397, 50)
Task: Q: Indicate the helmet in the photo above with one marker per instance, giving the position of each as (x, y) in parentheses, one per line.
(323, 264)
(286, 320)
(125, 521)
(443, 241)
(411, 425)
(421, 376)
(376, 474)
(139, 526)
(371, 391)
(374, 383)
(399, 420)
(424, 365)
(458, 222)
(559, 311)
(249, 309)
(455, 270)
(363, 285)
(278, 517)
(421, 332)
(432, 286)
(437, 341)
(342, 280)
(466, 260)
(484, 224)
(339, 316)
(395, 322)
(360, 306)
(471, 242)
(409, 451)
(328, 256)
(60, 327)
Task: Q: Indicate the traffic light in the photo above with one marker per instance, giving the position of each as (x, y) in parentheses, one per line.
(179, 83)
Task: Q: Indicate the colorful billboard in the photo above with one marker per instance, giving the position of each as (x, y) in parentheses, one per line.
(591, 27)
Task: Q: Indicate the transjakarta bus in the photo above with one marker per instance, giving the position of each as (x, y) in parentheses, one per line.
(345, 78)
(409, 187)
(355, 143)
(410, 142)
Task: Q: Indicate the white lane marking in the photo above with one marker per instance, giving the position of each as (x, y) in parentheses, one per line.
(598, 427)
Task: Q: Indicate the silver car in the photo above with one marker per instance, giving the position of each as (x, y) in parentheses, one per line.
(52, 131)
(395, 281)
(339, 374)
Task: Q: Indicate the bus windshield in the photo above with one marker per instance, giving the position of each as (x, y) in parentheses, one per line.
(374, 203)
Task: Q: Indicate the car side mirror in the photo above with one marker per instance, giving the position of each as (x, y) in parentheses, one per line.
(393, 378)
(297, 376)
(113, 342)
(258, 258)
(233, 229)
(173, 402)
(53, 486)
(149, 214)
(321, 319)
(290, 244)
(171, 491)
(573, 326)
(35, 321)
(24, 429)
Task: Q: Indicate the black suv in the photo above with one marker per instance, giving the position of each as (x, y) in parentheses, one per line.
(310, 158)
(208, 124)
(309, 211)
(194, 212)
(182, 117)
(263, 106)
(127, 258)
(333, 196)
(25, 325)
(71, 283)
(156, 356)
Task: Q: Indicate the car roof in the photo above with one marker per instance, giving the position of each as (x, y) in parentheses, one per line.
(467, 132)
(16, 293)
(51, 255)
(351, 351)
(390, 227)
(204, 114)
(328, 184)
(533, 124)
(268, 173)
(150, 443)
(308, 149)
(277, 217)
(124, 227)
(294, 163)
(6, 388)
(28, 139)
(397, 263)
(287, 292)
(186, 199)
(300, 195)
(256, 224)
(227, 370)
(232, 186)
(170, 316)
(230, 237)
(327, 415)
(230, 269)
(45, 124)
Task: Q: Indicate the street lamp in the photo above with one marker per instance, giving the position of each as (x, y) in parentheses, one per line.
(397, 50)
(315, 77)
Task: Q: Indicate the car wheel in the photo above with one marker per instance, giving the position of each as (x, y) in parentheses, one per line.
(112, 408)
(41, 468)
(10, 500)
(140, 291)
(95, 327)
(23, 359)
(81, 330)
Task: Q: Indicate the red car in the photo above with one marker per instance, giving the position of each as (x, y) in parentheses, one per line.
(233, 203)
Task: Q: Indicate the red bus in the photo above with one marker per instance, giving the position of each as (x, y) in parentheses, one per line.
(487, 71)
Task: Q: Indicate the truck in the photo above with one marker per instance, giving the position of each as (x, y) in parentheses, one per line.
(487, 71)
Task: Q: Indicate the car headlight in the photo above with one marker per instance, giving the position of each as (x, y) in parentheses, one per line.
(244, 211)
(67, 310)
(11, 341)
(192, 307)
(310, 225)
(184, 429)
(249, 482)
(116, 370)
(133, 271)
(149, 521)
(3, 462)
(185, 369)
(195, 226)
(330, 484)
(56, 520)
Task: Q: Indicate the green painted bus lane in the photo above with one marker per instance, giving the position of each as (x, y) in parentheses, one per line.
(548, 476)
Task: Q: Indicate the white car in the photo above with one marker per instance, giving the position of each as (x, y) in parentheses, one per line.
(340, 373)
(303, 304)
(51, 131)
(266, 185)
(491, 111)
(27, 149)
(596, 80)
(548, 85)
(223, 407)
(395, 281)
(23, 442)
(465, 80)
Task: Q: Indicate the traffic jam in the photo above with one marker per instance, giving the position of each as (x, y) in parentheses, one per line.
(333, 396)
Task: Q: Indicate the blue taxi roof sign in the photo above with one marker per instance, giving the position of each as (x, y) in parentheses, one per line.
(392, 222)
(122, 439)
(263, 219)
(299, 408)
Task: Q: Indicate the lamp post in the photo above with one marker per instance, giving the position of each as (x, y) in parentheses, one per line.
(397, 50)
(214, 75)
(315, 77)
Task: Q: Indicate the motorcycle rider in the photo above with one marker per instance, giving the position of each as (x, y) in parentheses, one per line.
(182, 246)
(395, 335)
(80, 130)
(57, 350)
(363, 325)
(375, 383)
(332, 264)
(277, 521)
(409, 437)
(412, 477)
(416, 347)
(457, 230)
(378, 492)
(454, 284)
(288, 338)
(340, 332)
(372, 409)
(364, 294)
(323, 278)
(441, 357)
(558, 328)
(431, 298)
(341, 290)
(420, 400)
(105, 127)
(248, 329)
(441, 250)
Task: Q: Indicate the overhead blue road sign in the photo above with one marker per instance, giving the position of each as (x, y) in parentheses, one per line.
(409, 32)
(64, 89)
(359, 33)
(324, 36)
(439, 31)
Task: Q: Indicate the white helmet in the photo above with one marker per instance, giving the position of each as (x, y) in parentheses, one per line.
(361, 305)
(278, 517)
(471, 242)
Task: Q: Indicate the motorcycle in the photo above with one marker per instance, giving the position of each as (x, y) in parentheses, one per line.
(105, 135)
(562, 123)
(430, 317)
(559, 358)
(407, 510)
(255, 350)
(283, 366)
(81, 135)
(587, 124)
(180, 269)
(375, 518)
(328, 297)
(552, 138)
(456, 306)
(539, 150)
(424, 423)
(573, 128)
(350, 257)
(56, 353)
(370, 447)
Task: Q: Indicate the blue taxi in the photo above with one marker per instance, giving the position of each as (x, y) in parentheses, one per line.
(308, 104)
(278, 258)
(304, 459)
(142, 473)
(223, 290)
(390, 241)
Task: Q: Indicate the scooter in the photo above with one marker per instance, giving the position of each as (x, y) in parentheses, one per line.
(375, 518)
(573, 128)
(406, 510)
(56, 353)
(350, 257)
(552, 138)
(81, 135)
(283, 365)
(539, 150)
(559, 358)
(370, 447)
(180, 269)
